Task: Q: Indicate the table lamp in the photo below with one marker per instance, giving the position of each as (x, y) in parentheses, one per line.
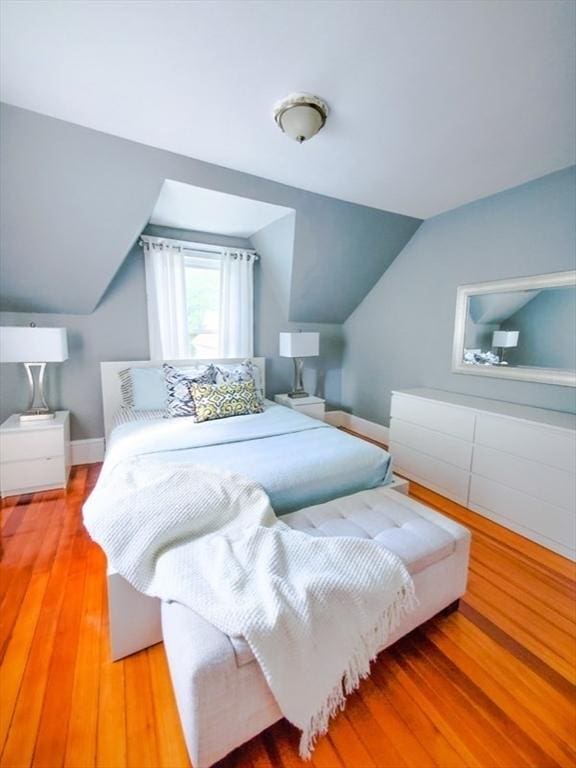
(298, 345)
(34, 347)
(504, 340)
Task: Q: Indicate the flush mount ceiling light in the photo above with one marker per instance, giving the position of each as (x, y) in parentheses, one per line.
(300, 115)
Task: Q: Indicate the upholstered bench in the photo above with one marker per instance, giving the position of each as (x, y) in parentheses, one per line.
(222, 696)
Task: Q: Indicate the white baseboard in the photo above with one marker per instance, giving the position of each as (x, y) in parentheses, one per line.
(370, 429)
(364, 427)
(87, 451)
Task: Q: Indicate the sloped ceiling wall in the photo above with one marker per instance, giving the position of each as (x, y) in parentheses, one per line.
(73, 201)
(334, 271)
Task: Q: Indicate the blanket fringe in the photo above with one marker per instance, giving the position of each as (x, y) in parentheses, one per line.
(358, 667)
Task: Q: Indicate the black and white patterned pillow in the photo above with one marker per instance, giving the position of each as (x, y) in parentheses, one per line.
(179, 387)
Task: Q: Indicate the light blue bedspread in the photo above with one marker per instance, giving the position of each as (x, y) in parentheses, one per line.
(298, 460)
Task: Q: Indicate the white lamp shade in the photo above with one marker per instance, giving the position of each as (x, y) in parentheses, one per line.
(505, 338)
(299, 344)
(33, 345)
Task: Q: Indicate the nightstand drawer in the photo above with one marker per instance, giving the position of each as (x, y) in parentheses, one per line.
(31, 444)
(20, 476)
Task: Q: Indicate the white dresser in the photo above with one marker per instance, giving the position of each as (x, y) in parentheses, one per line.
(34, 455)
(511, 463)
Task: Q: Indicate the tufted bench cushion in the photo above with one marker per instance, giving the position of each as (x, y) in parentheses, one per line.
(396, 524)
(419, 536)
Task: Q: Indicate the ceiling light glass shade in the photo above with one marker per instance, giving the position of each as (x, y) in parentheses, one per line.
(33, 345)
(301, 123)
(300, 116)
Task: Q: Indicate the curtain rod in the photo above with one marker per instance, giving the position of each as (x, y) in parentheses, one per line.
(186, 245)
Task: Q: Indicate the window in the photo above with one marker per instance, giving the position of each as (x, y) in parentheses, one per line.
(203, 304)
(187, 316)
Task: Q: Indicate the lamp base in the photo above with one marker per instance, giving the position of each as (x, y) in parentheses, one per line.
(298, 386)
(37, 414)
(37, 408)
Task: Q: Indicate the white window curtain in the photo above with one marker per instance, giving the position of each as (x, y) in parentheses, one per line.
(237, 304)
(166, 295)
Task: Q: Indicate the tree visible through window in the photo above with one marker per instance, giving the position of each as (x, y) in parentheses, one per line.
(203, 305)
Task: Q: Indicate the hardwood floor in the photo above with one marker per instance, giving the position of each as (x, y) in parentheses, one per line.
(491, 685)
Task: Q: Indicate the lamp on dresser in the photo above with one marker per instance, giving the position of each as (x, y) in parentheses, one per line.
(297, 346)
(34, 347)
(504, 340)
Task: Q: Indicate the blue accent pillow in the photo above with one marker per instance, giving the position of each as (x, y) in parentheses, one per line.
(148, 389)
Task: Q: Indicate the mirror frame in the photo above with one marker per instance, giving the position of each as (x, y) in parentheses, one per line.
(533, 374)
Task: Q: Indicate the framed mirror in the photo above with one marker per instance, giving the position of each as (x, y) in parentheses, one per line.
(523, 328)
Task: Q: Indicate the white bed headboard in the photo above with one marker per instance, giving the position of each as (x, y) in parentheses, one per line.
(111, 392)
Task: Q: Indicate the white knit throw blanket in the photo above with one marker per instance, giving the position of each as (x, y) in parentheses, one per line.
(314, 611)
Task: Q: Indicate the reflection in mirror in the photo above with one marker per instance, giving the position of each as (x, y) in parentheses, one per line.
(522, 328)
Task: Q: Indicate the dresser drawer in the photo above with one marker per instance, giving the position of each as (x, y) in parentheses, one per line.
(436, 444)
(525, 511)
(27, 475)
(533, 478)
(439, 475)
(540, 444)
(31, 444)
(450, 420)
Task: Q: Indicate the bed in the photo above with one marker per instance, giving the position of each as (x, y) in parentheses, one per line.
(298, 460)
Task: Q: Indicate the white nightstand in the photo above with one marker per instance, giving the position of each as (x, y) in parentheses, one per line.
(34, 456)
(311, 406)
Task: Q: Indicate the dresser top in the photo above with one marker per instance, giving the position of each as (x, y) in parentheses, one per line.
(558, 419)
(13, 423)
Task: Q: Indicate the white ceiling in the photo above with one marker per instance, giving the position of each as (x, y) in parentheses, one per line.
(434, 102)
(203, 210)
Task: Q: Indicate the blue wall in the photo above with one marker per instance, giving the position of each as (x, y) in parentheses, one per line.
(73, 201)
(275, 244)
(401, 334)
